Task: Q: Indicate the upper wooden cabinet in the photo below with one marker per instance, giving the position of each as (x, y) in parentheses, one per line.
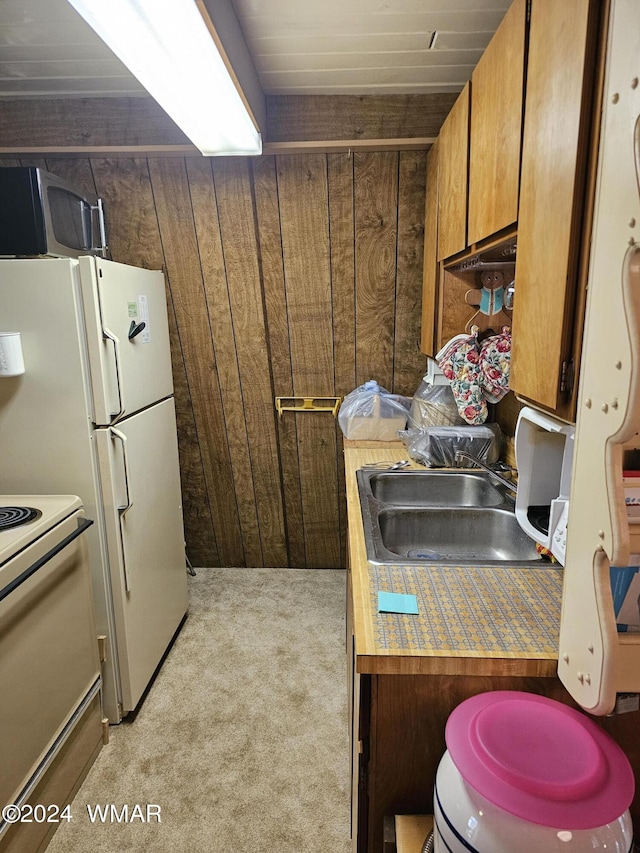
(533, 178)
(453, 144)
(556, 144)
(497, 88)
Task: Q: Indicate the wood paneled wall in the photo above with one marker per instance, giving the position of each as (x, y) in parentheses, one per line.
(307, 117)
(120, 123)
(288, 275)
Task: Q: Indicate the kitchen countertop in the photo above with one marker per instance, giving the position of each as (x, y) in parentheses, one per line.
(471, 621)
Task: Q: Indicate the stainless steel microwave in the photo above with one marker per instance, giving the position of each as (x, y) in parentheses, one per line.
(41, 214)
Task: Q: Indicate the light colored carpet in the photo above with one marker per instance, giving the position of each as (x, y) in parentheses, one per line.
(243, 738)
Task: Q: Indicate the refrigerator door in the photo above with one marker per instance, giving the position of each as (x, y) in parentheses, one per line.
(127, 338)
(140, 477)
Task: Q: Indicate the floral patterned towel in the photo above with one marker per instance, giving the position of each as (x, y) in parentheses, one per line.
(459, 360)
(495, 359)
(478, 374)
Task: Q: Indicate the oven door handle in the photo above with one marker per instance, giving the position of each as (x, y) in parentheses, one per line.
(83, 524)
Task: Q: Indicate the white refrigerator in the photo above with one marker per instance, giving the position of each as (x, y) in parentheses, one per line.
(93, 415)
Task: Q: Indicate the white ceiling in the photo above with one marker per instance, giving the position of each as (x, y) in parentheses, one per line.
(298, 47)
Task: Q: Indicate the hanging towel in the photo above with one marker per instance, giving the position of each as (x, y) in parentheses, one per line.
(495, 360)
(459, 360)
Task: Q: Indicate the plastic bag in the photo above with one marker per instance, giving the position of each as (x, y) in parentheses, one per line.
(372, 412)
(433, 405)
(436, 447)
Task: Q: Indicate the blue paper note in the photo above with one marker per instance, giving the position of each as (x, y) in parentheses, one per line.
(395, 602)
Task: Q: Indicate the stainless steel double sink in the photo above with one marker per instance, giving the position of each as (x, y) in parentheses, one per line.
(442, 516)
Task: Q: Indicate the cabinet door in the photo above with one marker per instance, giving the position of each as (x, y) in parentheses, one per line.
(453, 169)
(359, 755)
(430, 267)
(554, 154)
(497, 86)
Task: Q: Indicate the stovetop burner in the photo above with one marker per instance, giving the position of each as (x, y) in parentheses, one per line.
(14, 516)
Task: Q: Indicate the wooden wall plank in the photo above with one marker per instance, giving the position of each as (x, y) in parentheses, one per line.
(341, 219)
(237, 225)
(376, 204)
(341, 224)
(86, 121)
(212, 263)
(409, 364)
(122, 122)
(36, 162)
(275, 302)
(302, 185)
(311, 117)
(125, 186)
(173, 204)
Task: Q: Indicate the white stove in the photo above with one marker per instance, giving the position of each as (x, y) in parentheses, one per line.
(49, 667)
(24, 518)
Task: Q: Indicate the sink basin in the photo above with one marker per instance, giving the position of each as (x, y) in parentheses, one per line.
(443, 516)
(433, 488)
(459, 535)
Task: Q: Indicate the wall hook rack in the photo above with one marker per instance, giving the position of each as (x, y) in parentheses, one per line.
(308, 404)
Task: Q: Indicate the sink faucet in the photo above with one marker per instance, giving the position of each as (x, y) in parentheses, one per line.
(462, 454)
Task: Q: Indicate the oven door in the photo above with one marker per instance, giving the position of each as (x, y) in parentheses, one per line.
(48, 649)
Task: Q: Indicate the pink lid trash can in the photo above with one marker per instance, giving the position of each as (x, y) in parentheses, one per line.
(523, 773)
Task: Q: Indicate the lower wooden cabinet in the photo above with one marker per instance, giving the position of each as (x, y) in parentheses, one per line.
(358, 760)
(400, 697)
(399, 723)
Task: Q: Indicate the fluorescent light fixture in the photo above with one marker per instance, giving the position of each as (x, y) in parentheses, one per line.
(167, 45)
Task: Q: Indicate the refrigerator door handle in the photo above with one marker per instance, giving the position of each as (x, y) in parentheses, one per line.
(116, 355)
(122, 510)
